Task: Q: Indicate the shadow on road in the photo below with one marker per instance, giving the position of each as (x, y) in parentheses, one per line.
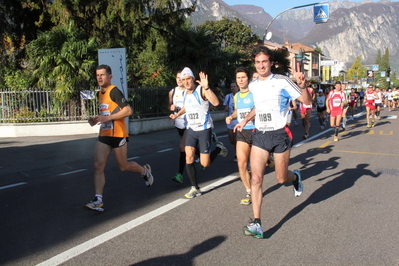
(343, 180)
(185, 258)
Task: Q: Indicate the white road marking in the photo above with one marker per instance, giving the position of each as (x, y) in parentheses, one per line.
(13, 185)
(72, 172)
(132, 158)
(170, 149)
(77, 250)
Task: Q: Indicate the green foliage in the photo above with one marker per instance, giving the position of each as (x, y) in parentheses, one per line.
(281, 63)
(231, 33)
(195, 48)
(64, 60)
(318, 49)
(236, 40)
(18, 80)
(384, 65)
(357, 70)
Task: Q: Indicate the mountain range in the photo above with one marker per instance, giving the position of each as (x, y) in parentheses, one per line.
(353, 29)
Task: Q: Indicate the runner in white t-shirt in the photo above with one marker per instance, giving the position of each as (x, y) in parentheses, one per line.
(272, 94)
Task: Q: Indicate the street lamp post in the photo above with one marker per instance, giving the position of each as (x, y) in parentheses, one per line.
(268, 36)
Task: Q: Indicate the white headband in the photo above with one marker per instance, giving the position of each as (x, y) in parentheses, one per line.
(187, 72)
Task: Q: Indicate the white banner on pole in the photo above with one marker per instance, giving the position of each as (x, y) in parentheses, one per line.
(116, 59)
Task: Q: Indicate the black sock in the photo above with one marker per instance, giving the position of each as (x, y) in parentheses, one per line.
(257, 220)
(336, 131)
(295, 182)
(182, 162)
(192, 174)
(215, 153)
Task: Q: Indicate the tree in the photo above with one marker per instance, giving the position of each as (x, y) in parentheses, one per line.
(318, 49)
(64, 59)
(384, 66)
(231, 34)
(121, 23)
(357, 70)
(281, 62)
(21, 20)
(141, 26)
(195, 48)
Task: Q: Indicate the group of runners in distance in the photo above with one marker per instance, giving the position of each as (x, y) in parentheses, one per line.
(260, 109)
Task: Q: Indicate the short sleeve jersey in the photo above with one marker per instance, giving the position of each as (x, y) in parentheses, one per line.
(335, 99)
(272, 100)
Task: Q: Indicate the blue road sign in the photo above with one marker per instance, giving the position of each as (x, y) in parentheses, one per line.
(321, 13)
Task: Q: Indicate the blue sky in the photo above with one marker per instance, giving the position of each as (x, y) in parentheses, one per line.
(273, 7)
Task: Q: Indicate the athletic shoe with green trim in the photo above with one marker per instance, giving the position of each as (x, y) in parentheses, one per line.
(253, 229)
(178, 178)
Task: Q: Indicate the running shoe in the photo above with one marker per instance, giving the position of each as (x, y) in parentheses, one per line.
(194, 192)
(223, 151)
(94, 205)
(148, 178)
(253, 229)
(270, 162)
(368, 125)
(247, 200)
(335, 138)
(322, 127)
(372, 124)
(298, 191)
(305, 136)
(178, 178)
(214, 137)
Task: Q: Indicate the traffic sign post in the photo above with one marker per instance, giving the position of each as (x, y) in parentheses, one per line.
(321, 13)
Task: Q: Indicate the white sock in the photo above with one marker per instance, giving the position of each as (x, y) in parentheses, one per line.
(99, 197)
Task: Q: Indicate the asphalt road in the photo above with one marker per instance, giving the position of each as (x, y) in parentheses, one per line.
(347, 214)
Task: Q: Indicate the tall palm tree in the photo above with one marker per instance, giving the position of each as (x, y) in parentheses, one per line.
(195, 48)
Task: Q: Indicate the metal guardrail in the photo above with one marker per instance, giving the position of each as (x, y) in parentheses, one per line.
(33, 105)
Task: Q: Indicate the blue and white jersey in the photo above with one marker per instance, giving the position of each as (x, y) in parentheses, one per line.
(197, 111)
(244, 102)
(272, 101)
(177, 99)
(229, 102)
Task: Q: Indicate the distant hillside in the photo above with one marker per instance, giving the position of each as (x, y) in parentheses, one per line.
(360, 30)
(354, 28)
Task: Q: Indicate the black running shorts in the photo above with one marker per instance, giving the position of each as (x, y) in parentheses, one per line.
(276, 141)
(245, 136)
(113, 141)
(200, 139)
